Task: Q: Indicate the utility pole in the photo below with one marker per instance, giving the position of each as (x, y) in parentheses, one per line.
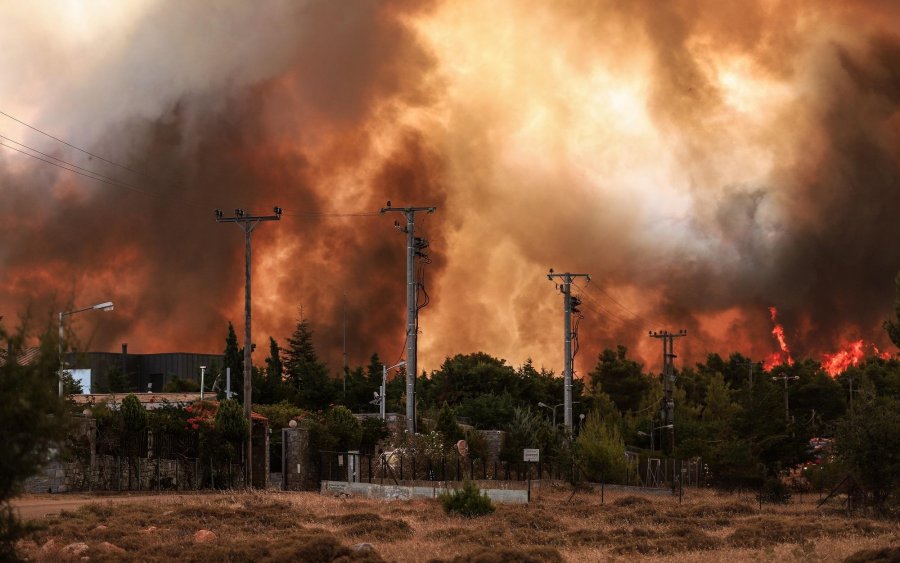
(415, 246)
(344, 396)
(668, 375)
(786, 378)
(247, 223)
(569, 303)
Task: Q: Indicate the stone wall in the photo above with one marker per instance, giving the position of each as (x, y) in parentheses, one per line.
(111, 473)
(494, 440)
(297, 471)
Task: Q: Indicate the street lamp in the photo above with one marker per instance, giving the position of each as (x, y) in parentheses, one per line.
(383, 394)
(107, 306)
(653, 429)
(553, 409)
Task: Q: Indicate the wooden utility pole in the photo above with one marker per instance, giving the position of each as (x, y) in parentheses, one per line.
(247, 223)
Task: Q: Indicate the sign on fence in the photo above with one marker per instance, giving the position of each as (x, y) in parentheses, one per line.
(531, 454)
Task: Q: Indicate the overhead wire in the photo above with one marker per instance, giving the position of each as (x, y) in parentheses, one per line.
(68, 144)
(111, 181)
(88, 174)
(590, 287)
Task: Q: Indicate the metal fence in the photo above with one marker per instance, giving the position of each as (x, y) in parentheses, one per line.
(148, 461)
(369, 468)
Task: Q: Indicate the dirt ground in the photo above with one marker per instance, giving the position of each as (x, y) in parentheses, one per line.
(37, 506)
(555, 526)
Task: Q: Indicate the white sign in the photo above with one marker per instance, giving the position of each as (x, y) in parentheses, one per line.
(532, 454)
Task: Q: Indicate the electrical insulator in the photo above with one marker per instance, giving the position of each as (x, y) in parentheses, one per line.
(575, 303)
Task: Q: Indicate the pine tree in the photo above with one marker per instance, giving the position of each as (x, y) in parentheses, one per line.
(272, 387)
(305, 373)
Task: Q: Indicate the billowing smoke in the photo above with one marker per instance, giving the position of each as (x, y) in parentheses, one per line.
(702, 162)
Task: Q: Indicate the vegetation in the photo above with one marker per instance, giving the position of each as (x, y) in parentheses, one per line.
(467, 501)
(553, 527)
(33, 418)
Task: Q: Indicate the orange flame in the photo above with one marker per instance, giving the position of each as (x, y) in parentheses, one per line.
(837, 363)
(784, 356)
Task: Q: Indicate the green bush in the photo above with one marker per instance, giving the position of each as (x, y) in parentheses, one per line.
(374, 430)
(468, 501)
(231, 422)
(134, 415)
(344, 428)
(775, 491)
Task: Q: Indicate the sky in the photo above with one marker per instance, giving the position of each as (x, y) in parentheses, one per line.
(702, 160)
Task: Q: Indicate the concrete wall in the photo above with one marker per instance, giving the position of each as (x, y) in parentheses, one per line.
(406, 492)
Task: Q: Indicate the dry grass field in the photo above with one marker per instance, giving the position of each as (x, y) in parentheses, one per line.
(275, 526)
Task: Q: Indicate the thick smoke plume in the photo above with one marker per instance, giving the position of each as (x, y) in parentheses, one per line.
(702, 160)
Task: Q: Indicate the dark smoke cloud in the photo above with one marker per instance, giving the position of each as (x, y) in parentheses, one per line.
(703, 160)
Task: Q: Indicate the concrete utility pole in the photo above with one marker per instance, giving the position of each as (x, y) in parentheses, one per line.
(786, 378)
(247, 223)
(568, 302)
(668, 375)
(414, 246)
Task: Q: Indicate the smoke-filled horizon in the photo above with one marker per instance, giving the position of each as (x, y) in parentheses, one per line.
(703, 161)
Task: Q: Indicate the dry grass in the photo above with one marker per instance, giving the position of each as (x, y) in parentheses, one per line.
(268, 526)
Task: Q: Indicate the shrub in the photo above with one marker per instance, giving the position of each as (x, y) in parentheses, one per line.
(468, 501)
(344, 427)
(374, 430)
(134, 415)
(775, 491)
(231, 422)
(602, 449)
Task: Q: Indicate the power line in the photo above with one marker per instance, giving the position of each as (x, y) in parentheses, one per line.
(67, 163)
(590, 287)
(86, 175)
(68, 144)
(103, 178)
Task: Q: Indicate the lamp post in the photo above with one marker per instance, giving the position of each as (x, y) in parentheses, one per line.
(653, 429)
(383, 394)
(107, 306)
(553, 409)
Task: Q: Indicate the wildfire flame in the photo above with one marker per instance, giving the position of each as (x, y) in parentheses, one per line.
(834, 364)
(784, 356)
(837, 363)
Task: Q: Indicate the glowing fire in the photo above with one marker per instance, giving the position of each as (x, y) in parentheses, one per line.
(784, 356)
(837, 363)
(834, 364)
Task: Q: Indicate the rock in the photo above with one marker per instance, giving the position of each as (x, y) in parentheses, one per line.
(100, 528)
(29, 548)
(49, 548)
(205, 536)
(149, 529)
(363, 548)
(107, 547)
(73, 551)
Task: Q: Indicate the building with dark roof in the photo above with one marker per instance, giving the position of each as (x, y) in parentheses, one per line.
(143, 371)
